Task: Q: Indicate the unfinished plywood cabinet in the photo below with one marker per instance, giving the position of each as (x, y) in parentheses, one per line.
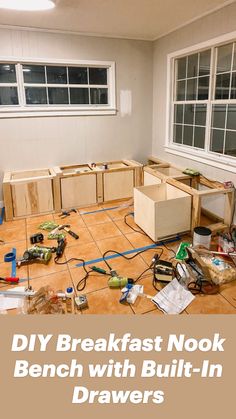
(84, 185)
(162, 210)
(28, 193)
(203, 188)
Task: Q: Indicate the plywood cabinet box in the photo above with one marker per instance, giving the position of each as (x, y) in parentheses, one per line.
(162, 210)
(84, 185)
(28, 193)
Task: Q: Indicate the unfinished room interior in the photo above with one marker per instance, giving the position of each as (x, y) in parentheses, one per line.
(118, 157)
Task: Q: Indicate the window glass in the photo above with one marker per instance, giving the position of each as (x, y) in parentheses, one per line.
(79, 96)
(58, 96)
(99, 96)
(203, 88)
(205, 62)
(231, 117)
(191, 89)
(188, 114)
(8, 96)
(57, 75)
(217, 140)
(199, 137)
(181, 86)
(7, 73)
(224, 58)
(36, 95)
(188, 135)
(178, 133)
(222, 86)
(97, 75)
(181, 68)
(34, 74)
(233, 87)
(200, 114)
(192, 65)
(230, 143)
(179, 109)
(218, 116)
(78, 75)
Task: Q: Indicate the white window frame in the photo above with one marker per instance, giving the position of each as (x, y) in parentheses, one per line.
(23, 110)
(202, 156)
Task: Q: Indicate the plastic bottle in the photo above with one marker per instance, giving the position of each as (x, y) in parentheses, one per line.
(70, 300)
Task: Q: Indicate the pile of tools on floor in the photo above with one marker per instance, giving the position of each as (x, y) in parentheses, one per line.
(196, 268)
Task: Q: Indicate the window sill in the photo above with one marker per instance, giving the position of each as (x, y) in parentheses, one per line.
(26, 113)
(219, 162)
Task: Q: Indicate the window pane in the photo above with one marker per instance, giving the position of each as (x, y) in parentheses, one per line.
(218, 116)
(8, 96)
(58, 96)
(222, 86)
(179, 114)
(205, 63)
(203, 88)
(224, 58)
(230, 143)
(200, 115)
(234, 62)
(181, 68)
(98, 75)
(231, 117)
(217, 140)
(192, 65)
(188, 135)
(7, 73)
(188, 114)
(78, 75)
(199, 137)
(99, 96)
(233, 87)
(36, 95)
(56, 75)
(191, 89)
(79, 96)
(178, 130)
(181, 90)
(34, 73)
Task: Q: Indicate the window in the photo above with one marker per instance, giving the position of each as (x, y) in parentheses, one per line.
(202, 119)
(53, 88)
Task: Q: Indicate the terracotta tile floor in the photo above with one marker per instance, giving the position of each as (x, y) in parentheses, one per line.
(99, 232)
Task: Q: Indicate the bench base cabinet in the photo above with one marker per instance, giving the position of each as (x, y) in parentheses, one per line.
(161, 210)
(28, 193)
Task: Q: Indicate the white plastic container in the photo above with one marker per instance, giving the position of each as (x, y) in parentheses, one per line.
(202, 237)
(70, 300)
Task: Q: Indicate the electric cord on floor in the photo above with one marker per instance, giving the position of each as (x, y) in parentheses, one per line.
(144, 234)
(132, 228)
(83, 282)
(126, 257)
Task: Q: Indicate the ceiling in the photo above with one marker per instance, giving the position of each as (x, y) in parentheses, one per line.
(134, 19)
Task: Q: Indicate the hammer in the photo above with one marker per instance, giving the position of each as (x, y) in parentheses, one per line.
(65, 227)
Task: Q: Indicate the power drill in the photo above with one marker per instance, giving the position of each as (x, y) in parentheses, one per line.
(59, 250)
(42, 254)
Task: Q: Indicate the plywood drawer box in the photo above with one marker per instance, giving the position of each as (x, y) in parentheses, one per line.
(161, 210)
(28, 193)
(84, 185)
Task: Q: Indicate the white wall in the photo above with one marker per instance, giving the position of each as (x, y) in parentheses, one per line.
(203, 29)
(46, 141)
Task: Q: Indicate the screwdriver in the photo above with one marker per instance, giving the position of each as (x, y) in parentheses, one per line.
(10, 280)
(99, 270)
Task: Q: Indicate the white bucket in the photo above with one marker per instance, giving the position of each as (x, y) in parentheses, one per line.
(202, 237)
